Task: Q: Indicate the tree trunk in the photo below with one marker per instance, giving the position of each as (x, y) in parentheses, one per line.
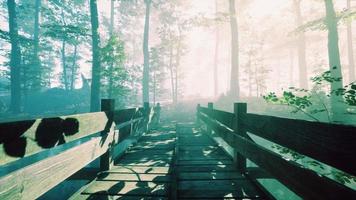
(36, 63)
(303, 75)
(15, 59)
(216, 54)
(72, 79)
(112, 17)
(171, 70)
(111, 67)
(178, 63)
(350, 46)
(64, 66)
(146, 70)
(334, 59)
(96, 68)
(63, 52)
(234, 79)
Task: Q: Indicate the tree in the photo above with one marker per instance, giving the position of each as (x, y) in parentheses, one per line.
(303, 75)
(234, 76)
(15, 58)
(36, 62)
(146, 54)
(350, 46)
(334, 58)
(216, 53)
(96, 64)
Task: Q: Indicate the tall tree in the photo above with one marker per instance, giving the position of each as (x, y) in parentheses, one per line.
(334, 57)
(146, 54)
(96, 64)
(15, 58)
(216, 53)
(303, 75)
(350, 46)
(36, 63)
(234, 76)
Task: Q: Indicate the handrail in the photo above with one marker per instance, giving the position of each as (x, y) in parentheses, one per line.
(95, 135)
(328, 143)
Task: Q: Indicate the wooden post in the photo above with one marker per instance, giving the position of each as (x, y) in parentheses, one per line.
(210, 107)
(108, 106)
(240, 110)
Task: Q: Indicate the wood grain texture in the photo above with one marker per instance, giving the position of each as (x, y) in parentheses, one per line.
(329, 143)
(32, 181)
(24, 138)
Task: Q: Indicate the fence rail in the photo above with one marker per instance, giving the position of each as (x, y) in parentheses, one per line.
(331, 144)
(38, 154)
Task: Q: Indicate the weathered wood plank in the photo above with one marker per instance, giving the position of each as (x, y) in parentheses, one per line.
(205, 162)
(111, 176)
(209, 176)
(240, 188)
(24, 138)
(139, 169)
(329, 143)
(207, 168)
(307, 183)
(115, 197)
(128, 188)
(32, 181)
(223, 117)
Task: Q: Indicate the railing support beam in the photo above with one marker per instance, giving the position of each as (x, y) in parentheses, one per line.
(240, 110)
(106, 160)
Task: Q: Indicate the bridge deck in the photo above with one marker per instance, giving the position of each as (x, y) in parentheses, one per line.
(168, 165)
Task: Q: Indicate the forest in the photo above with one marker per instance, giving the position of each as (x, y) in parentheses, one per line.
(64, 56)
(285, 58)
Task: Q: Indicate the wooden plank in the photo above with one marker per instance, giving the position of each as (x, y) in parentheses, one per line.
(128, 188)
(209, 176)
(111, 176)
(223, 117)
(115, 197)
(32, 181)
(140, 169)
(207, 168)
(87, 173)
(332, 144)
(24, 138)
(205, 162)
(240, 188)
(304, 182)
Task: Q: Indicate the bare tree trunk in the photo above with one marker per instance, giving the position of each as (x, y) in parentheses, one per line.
(303, 75)
(350, 46)
(63, 52)
(216, 54)
(72, 79)
(146, 55)
(111, 32)
(171, 71)
(291, 57)
(36, 63)
(96, 64)
(15, 59)
(334, 59)
(178, 63)
(234, 79)
(64, 66)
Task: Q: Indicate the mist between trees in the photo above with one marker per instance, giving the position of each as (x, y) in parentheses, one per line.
(292, 58)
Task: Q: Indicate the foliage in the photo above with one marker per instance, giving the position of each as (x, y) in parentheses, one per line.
(308, 101)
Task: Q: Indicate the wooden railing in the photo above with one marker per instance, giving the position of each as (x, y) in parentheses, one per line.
(38, 154)
(332, 144)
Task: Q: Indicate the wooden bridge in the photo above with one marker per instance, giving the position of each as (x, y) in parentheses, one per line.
(127, 154)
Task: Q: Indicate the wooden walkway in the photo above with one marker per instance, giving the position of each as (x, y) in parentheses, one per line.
(169, 165)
